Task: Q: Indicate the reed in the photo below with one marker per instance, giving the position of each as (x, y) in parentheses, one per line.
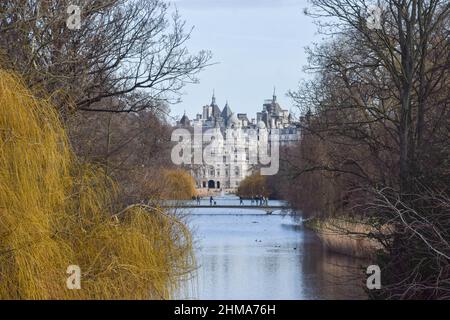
(346, 236)
(56, 212)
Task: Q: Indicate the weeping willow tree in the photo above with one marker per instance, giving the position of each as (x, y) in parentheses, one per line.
(254, 186)
(179, 185)
(56, 212)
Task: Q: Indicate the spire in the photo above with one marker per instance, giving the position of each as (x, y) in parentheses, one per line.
(274, 94)
(213, 102)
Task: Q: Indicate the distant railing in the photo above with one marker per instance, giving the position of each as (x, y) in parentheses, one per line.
(268, 209)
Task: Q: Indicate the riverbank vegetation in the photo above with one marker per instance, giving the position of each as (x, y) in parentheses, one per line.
(374, 146)
(111, 81)
(84, 136)
(56, 212)
(254, 186)
(178, 185)
(348, 236)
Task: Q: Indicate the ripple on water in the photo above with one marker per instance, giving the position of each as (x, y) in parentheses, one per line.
(247, 255)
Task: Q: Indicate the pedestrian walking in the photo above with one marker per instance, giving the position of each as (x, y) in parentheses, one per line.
(211, 200)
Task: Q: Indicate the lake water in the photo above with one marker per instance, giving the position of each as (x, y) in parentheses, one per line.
(247, 254)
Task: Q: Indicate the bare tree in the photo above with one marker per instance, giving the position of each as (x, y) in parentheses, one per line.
(376, 117)
(402, 63)
(133, 50)
(423, 264)
(130, 147)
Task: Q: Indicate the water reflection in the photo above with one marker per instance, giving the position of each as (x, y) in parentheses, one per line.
(257, 256)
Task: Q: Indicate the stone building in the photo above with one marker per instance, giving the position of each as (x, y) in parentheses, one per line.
(225, 125)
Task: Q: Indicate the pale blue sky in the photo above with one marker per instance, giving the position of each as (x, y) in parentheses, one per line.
(258, 44)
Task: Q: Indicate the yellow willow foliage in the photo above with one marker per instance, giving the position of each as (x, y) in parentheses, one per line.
(179, 185)
(55, 212)
(254, 185)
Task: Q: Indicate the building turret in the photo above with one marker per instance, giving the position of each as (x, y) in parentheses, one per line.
(226, 114)
(185, 122)
(215, 110)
